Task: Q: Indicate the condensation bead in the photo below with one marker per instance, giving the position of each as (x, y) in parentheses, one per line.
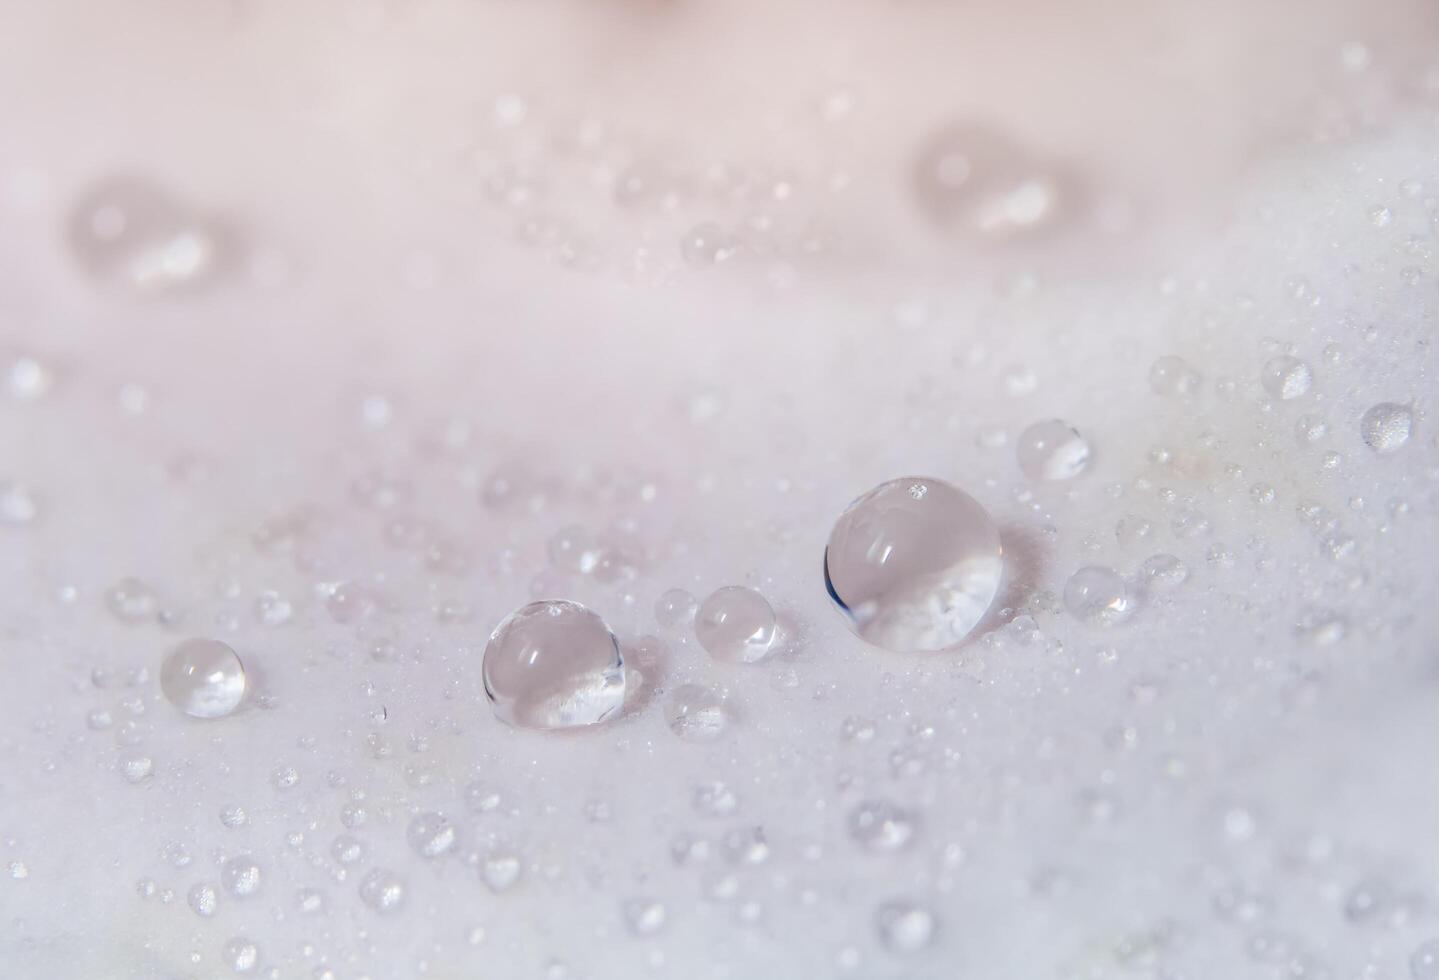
(203, 899)
(1052, 450)
(241, 955)
(1097, 595)
(645, 917)
(132, 601)
(696, 713)
(383, 891)
(1174, 377)
(1285, 377)
(882, 827)
(1386, 427)
(203, 678)
(914, 565)
(1164, 572)
(735, 624)
(904, 927)
(17, 503)
(241, 876)
(554, 664)
(675, 609)
(431, 835)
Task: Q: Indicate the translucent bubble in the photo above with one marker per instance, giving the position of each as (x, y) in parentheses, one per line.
(554, 664)
(1174, 377)
(882, 827)
(132, 601)
(904, 927)
(914, 564)
(203, 678)
(1097, 595)
(1386, 427)
(203, 899)
(128, 230)
(696, 713)
(735, 624)
(675, 609)
(1424, 963)
(431, 835)
(1286, 377)
(241, 876)
(383, 891)
(241, 955)
(1052, 450)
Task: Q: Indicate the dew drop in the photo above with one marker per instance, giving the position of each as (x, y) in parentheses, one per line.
(241, 876)
(203, 678)
(977, 181)
(1286, 377)
(203, 899)
(431, 835)
(1097, 595)
(383, 891)
(554, 664)
(904, 927)
(696, 713)
(1052, 450)
(881, 827)
(241, 955)
(1164, 572)
(675, 609)
(132, 601)
(735, 624)
(1386, 427)
(914, 565)
(1174, 377)
(645, 917)
(1424, 962)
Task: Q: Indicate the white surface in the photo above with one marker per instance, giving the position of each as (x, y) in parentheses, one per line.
(1237, 781)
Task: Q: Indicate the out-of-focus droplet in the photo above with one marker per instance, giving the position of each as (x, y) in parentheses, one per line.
(241, 955)
(1386, 427)
(1286, 377)
(17, 504)
(1174, 377)
(645, 917)
(554, 664)
(696, 713)
(203, 678)
(735, 624)
(914, 565)
(383, 891)
(980, 183)
(132, 601)
(904, 927)
(431, 835)
(1052, 450)
(1097, 595)
(129, 230)
(1424, 962)
(676, 609)
(881, 827)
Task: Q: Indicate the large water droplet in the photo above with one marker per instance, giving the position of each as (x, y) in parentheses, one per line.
(1386, 427)
(735, 624)
(203, 678)
(914, 564)
(554, 664)
(1052, 450)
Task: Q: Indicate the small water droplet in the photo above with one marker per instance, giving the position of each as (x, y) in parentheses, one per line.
(696, 713)
(1286, 377)
(1052, 450)
(203, 678)
(1097, 595)
(904, 927)
(735, 624)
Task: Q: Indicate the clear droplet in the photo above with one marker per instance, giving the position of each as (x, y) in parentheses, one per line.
(203, 899)
(383, 891)
(132, 601)
(675, 609)
(1424, 963)
(203, 678)
(914, 564)
(1097, 595)
(735, 624)
(1286, 377)
(241, 955)
(1052, 450)
(554, 664)
(644, 916)
(1174, 377)
(1386, 427)
(431, 835)
(882, 827)
(904, 927)
(1164, 572)
(241, 876)
(696, 713)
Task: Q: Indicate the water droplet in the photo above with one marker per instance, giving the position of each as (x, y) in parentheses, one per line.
(234, 816)
(431, 835)
(241, 876)
(17, 504)
(203, 899)
(241, 955)
(501, 870)
(1424, 963)
(882, 827)
(1174, 377)
(1286, 377)
(1052, 450)
(383, 891)
(132, 601)
(696, 713)
(675, 609)
(1164, 572)
(904, 927)
(644, 916)
(203, 678)
(735, 624)
(976, 180)
(1386, 427)
(573, 550)
(706, 245)
(714, 799)
(914, 564)
(136, 768)
(273, 609)
(554, 664)
(1097, 595)
(347, 850)
(1310, 429)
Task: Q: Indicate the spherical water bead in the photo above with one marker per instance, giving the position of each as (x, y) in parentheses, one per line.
(697, 713)
(1174, 377)
(1286, 377)
(1424, 963)
(1052, 450)
(914, 565)
(675, 609)
(241, 955)
(1097, 595)
(881, 827)
(1386, 427)
(735, 624)
(203, 678)
(431, 835)
(383, 891)
(241, 876)
(128, 230)
(904, 927)
(203, 899)
(554, 664)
